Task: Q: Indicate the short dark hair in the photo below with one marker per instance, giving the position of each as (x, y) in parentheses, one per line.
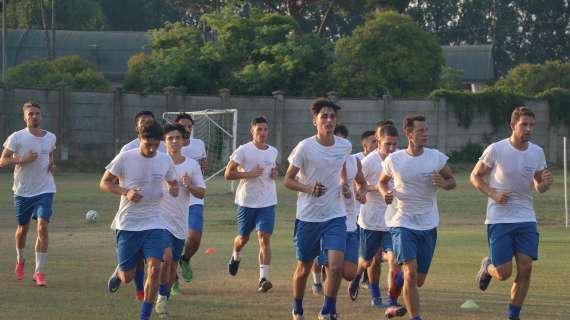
(260, 119)
(383, 123)
(341, 129)
(388, 131)
(151, 131)
(30, 104)
(183, 115)
(366, 134)
(409, 122)
(142, 114)
(519, 112)
(320, 103)
(172, 127)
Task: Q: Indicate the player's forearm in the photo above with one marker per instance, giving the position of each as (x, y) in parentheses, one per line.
(372, 188)
(383, 188)
(197, 192)
(112, 187)
(481, 185)
(293, 184)
(10, 161)
(542, 187)
(237, 175)
(449, 184)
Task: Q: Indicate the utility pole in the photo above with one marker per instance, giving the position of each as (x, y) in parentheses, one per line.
(53, 28)
(4, 41)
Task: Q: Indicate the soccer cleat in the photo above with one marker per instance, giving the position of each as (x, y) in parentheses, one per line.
(186, 270)
(353, 288)
(396, 288)
(175, 288)
(297, 316)
(20, 266)
(483, 278)
(393, 312)
(114, 282)
(376, 302)
(364, 283)
(140, 295)
(39, 278)
(233, 266)
(327, 316)
(317, 289)
(264, 285)
(161, 306)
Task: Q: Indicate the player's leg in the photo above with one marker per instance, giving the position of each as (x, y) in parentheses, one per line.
(350, 256)
(245, 225)
(307, 237)
(498, 264)
(153, 246)
(334, 243)
(193, 239)
(264, 224)
(129, 255)
(42, 212)
(374, 271)
(164, 288)
(395, 276)
(405, 243)
(316, 268)
(24, 210)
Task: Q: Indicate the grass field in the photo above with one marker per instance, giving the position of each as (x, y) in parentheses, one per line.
(82, 255)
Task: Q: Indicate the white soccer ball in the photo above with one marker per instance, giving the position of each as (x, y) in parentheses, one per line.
(91, 216)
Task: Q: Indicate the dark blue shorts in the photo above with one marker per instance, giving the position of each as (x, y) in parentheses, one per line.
(507, 239)
(371, 241)
(177, 246)
(262, 219)
(313, 237)
(412, 244)
(196, 217)
(134, 245)
(39, 206)
(350, 252)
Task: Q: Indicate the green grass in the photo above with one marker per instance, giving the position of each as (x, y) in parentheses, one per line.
(82, 255)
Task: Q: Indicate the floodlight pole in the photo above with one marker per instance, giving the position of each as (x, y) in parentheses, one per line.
(4, 41)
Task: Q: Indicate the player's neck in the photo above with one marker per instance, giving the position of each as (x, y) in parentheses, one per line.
(36, 131)
(260, 145)
(326, 139)
(382, 156)
(187, 142)
(518, 144)
(414, 150)
(176, 156)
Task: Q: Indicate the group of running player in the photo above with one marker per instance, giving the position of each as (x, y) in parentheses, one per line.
(353, 211)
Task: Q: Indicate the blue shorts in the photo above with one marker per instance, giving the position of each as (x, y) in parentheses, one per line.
(177, 246)
(350, 252)
(134, 245)
(39, 206)
(313, 237)
(412, 244)
(507, 239)
(262, 219)
(196, 217)
(371, 241)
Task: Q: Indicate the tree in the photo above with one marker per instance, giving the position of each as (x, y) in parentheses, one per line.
(532, 79)
(141, 15)
(388, 54)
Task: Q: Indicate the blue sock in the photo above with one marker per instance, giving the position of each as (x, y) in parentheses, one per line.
(417, 318)
(163, 291)
(514, 311)
(393, 301)
(400, 279)
(146, 310)
(374, 290)
(139, 279)
(329, 306)
(298, 306)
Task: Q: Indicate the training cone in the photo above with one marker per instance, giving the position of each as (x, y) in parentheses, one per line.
(469, 305)
(210, 250)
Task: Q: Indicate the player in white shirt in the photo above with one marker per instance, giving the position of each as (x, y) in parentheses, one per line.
(417, 172)
(254, 165)
(139, 222)
(30, 150)
(175, 210)
(193, 149)
(315, 167)
(375, 238)
(516, 167)
(369, 144)
(141, 119)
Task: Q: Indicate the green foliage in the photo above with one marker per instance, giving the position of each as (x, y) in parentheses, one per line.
(65, 71)
(469, 153)
(390, 53)
(532, 79)
(558, 105)
(450, 78)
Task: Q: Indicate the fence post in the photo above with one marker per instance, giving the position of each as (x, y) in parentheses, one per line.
(387, 106)
(4, 114)
(279, 105)
(225, 96)
(63, 123)
(117, 115)
(441, 111)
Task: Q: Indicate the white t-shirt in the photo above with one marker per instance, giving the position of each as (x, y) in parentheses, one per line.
(134, 144)
(360, 156)
(323, 164)
(136, 171)
(175, 209)
(257, 192)
(351, 203)
(375, 212)
(32, 178)
(416, 205)
(195, 150)
(512, 170)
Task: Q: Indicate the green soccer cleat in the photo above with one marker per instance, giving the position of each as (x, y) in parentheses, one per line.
(186, 270)
(175, 288)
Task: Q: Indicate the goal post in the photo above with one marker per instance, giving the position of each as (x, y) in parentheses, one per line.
(217, 128)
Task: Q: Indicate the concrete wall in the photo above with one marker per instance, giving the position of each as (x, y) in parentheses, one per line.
(93, 126)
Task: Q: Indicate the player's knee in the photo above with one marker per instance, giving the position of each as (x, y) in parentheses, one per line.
(153, 271)
(336, 268)
(421, 280)
(243, 239)
(503, 273)
(264, 240)
(524, 270)
(42, 230)
(410, 275)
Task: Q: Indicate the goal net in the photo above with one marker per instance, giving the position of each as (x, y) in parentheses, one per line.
(218, 129)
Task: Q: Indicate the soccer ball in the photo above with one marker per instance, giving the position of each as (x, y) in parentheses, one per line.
(91, 216)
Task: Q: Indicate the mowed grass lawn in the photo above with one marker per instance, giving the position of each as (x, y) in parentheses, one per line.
(82, 255)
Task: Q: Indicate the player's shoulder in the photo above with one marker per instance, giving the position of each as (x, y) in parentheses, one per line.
(434, 152)
(535, 148)
(394, 156)
(342, 142)
(191, 163)
(371, 158)
(18, 134)
(197, 142)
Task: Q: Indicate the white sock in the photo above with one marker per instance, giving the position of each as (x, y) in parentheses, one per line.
(236, 255)
(263, 271)
(316, 277)
(41, 258)
(19, 254)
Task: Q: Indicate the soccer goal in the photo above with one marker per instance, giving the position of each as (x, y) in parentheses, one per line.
(218, 129)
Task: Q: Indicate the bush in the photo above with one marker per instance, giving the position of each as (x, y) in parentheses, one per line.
(469, 153)
(532, 79)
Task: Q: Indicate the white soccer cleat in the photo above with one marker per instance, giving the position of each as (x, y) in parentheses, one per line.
(161, 306)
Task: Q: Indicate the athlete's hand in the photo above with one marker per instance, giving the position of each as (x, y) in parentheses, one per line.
(173, 188)
(501, 197)
(274, 172)
(52, 167)
(360, 197)
(437, 180)
(204, 165)
(31, 156)
(346, 191)
(256, 172)
(318, 190)
(134, 195)
(186, 181)
(389, 197)
(547, 178)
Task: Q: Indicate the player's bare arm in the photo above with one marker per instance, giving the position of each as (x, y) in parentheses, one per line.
(291, 182)
(360, 183)
(543, 179)
(52, 167)
(444, 178)
(385, 191)
(197, 192)
(9, 158)
(232, 172)
(478, 181)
